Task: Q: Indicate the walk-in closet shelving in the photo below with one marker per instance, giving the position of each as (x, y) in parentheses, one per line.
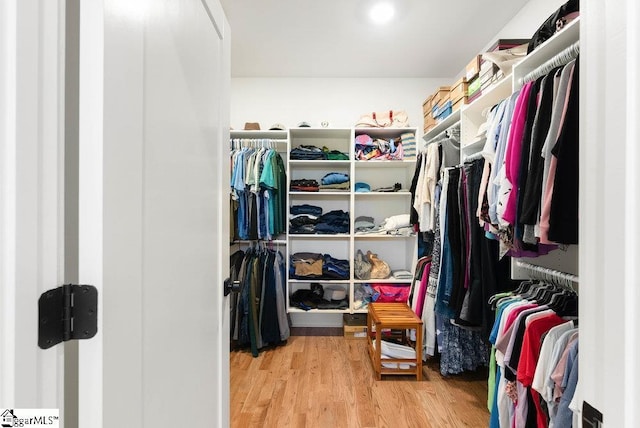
(398, 251)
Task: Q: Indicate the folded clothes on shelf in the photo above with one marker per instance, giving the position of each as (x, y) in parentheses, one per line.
(401, 274)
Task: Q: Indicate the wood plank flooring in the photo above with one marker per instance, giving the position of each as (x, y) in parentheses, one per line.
(328, 381)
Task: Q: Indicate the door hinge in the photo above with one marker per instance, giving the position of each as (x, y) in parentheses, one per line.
(66, 313)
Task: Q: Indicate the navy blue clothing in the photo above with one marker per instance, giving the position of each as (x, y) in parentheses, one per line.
(305, 209)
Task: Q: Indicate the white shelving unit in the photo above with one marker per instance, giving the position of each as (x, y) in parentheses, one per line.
(399, 251)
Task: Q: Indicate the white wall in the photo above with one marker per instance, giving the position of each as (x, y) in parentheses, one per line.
(341, 101)
(527, 21)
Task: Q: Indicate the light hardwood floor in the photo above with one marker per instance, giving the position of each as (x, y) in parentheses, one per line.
(328, 381)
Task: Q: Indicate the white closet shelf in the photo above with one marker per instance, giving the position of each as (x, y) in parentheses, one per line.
(319, 163)
(262, 241)
(259, 134)
(384, 163)
(395, 250)
(320, 194)
(383, 281)
(380, 194)
(490, 96)
(447, 123)
(383, 132)
(318, 236)
(385, 236)
(561, 40)
(293, 309)
(473, 147)
(327, 281)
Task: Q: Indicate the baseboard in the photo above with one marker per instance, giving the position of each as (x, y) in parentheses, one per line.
(315, 320)
(316, 331)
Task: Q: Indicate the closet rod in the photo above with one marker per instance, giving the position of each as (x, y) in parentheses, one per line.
(235, 142)
(445, 134)
(558, 60)
(260, 139)
(548, 274)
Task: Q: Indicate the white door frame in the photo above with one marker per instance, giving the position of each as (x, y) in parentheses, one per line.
(610, 208)
(31, 196)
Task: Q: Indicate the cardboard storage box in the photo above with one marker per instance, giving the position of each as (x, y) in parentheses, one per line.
(444, 110)
(456, 106)
(473, 68)
(502, 44)
(439, 97)
(355, 332)
(426, 105)
(429, 123)
(458, 90)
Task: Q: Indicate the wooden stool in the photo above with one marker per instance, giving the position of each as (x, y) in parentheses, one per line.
(393, 316)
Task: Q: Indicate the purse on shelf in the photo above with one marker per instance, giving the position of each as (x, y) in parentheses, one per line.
(361, 266)
(384, 119)
(379, 268)
(554, 23)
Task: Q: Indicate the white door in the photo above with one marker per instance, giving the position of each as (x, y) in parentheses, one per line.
(153, 212)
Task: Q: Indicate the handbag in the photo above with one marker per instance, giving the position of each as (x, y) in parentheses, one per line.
(384, 119)
(392, 293)
(361, 266)
(379, 268)
(554, 23)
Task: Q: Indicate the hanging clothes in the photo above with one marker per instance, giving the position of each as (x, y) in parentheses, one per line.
(527, 348)
(258, 188)
(525, 135)
(258, 311)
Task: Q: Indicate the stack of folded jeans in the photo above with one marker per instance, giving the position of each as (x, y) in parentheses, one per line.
(303, 152)
(333, 268)
(306, 209)
(303, 218)
(304, 185)
(303, 224)
(336, 221)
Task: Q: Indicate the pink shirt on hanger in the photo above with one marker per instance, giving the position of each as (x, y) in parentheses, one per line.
(514, 151)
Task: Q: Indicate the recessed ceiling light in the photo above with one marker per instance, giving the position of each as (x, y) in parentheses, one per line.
(381, 13)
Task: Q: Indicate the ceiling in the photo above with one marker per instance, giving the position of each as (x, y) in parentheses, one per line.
(335, 38)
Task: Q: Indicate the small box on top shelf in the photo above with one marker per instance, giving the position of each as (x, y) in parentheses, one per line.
(474, 90)
(439, 97)
(426, 105)
(429, 122)
(458, 93)
(503, 44)
(488, 74)
(473, 68)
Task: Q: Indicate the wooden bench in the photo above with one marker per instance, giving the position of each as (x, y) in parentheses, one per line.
(397, 316)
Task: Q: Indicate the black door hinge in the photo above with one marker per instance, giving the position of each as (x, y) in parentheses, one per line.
(66, 313)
